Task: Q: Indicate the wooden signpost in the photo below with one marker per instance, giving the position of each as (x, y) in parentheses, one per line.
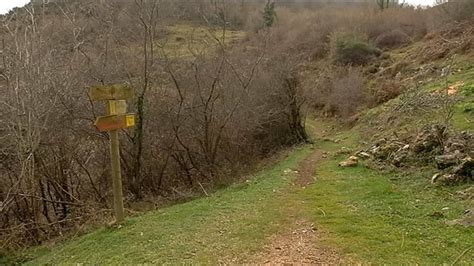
(116, 118)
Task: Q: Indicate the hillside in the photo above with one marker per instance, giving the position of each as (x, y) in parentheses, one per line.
(357, 214)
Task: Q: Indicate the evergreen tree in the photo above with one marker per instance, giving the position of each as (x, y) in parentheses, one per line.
(269, 14)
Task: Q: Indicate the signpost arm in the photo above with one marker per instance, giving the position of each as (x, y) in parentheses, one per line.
(116, 174)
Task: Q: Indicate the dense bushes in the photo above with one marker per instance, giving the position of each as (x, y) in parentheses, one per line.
(392, 39)
(385, 91)
(339, 45)
(313, 33)
(351, 49)
(458, 10)
(337, 91)
(347, 92)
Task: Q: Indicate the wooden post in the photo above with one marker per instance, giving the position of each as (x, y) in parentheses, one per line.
(115, 164)
(115, 120)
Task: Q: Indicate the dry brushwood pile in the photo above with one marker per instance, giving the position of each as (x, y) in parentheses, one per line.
(451, 153)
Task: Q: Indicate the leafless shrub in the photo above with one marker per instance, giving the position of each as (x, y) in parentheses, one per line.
(408, 20)
(458, 10)
(416, 102)
(385, 91)
(306, 33)
(351, 49)
(348, 93)
(339, 91)
(392, 39)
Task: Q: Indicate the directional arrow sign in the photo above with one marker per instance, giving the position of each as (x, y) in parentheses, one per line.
(118, 107)
(113, 92)
(114, 122)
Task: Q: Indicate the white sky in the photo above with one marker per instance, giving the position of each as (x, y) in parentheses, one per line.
(420, 2)
(6, 5)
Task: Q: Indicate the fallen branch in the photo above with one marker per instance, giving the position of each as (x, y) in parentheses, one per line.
(207, 195)
(462, 255)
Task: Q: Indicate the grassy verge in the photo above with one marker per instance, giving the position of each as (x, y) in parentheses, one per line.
(386, 217)
(227, 226)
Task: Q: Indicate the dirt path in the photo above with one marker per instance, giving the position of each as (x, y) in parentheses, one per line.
(306, 169)
(299, 244)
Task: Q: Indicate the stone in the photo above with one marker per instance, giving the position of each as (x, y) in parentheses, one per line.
(447, 160)
(374, 149)
(380, 142)
(350, 162)
(343, 150)
(354, 158)
(385, 150)
(429, 139)
(363, 155)
(466, 194)
(465, 168)
(399, 157)
(435, 177)
(455, 146)
(466, 220)
(448, 179)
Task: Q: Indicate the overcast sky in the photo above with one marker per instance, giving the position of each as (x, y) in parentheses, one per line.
(6, 5)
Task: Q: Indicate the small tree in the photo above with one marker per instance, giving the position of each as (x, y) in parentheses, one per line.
(382, 4)
(269, 14)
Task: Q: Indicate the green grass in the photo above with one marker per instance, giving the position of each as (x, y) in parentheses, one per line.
(187, 40)
(230, 224)
(385, 218)
(463, 118)
(375, 119)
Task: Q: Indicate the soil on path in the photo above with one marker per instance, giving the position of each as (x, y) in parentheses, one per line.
(307, 168)
(299, 244)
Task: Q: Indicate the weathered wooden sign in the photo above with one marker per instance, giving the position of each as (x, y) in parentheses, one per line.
(116, 118)
(114, 122)
(117, 107)
(112, 92)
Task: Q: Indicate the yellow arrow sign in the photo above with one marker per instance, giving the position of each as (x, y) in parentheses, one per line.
(114, 122)
(112, 92)
(118, 107)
